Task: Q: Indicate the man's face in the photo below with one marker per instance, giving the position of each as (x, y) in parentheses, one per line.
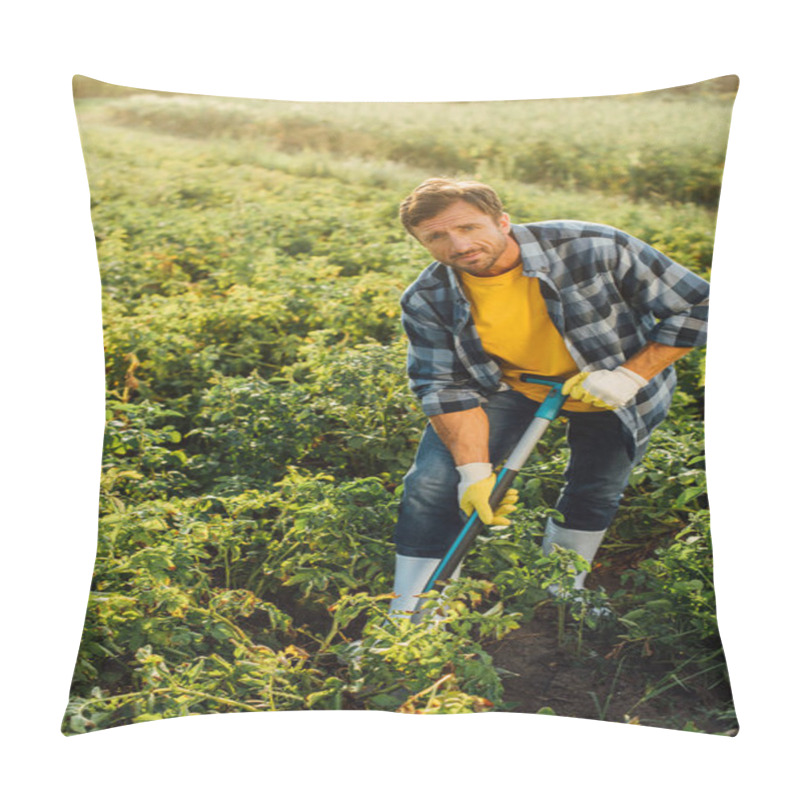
(466, 239)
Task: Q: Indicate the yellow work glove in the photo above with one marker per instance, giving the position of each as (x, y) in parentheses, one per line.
(604, 388)
(475, 489)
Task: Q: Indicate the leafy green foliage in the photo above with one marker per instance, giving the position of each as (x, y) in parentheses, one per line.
(344, 408)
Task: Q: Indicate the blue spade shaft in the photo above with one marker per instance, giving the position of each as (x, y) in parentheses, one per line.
(547, 412)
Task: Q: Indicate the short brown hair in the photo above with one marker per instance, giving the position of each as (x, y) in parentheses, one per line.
(436, 194)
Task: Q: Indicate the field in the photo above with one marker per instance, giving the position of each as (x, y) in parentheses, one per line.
(259, 422)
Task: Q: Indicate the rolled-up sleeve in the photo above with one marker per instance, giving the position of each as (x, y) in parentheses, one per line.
(678, 298)
(436, 374)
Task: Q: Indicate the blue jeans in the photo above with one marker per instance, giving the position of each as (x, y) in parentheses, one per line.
(601, 459)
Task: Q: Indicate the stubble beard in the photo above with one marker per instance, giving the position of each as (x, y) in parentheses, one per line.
(487, 269)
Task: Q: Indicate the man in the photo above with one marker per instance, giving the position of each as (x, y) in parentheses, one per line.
(567, 299)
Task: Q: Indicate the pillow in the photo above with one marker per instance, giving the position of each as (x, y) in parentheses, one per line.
(260, 420)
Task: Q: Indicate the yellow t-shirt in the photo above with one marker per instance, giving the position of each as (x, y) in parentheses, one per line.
(516, 330)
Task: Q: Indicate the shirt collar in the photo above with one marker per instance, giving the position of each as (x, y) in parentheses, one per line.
(534, 259)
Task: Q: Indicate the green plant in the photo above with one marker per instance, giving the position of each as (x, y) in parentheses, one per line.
(342, 408)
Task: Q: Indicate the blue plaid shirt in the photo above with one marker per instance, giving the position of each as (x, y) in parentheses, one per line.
(607, 293)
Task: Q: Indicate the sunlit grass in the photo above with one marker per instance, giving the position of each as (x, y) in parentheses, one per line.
(662, 145)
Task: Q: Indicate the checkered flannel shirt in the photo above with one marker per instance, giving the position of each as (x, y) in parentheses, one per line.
(607, 293)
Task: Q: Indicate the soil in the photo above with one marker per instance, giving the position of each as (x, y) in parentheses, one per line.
(605, 684)
(609, 681)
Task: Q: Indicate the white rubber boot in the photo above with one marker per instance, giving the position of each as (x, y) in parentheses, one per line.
(410, 576)
(584, 543)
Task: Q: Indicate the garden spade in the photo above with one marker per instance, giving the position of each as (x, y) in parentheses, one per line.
(545, 414)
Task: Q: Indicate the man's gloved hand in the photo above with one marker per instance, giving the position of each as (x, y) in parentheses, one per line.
(605, 388)
(477, 482)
